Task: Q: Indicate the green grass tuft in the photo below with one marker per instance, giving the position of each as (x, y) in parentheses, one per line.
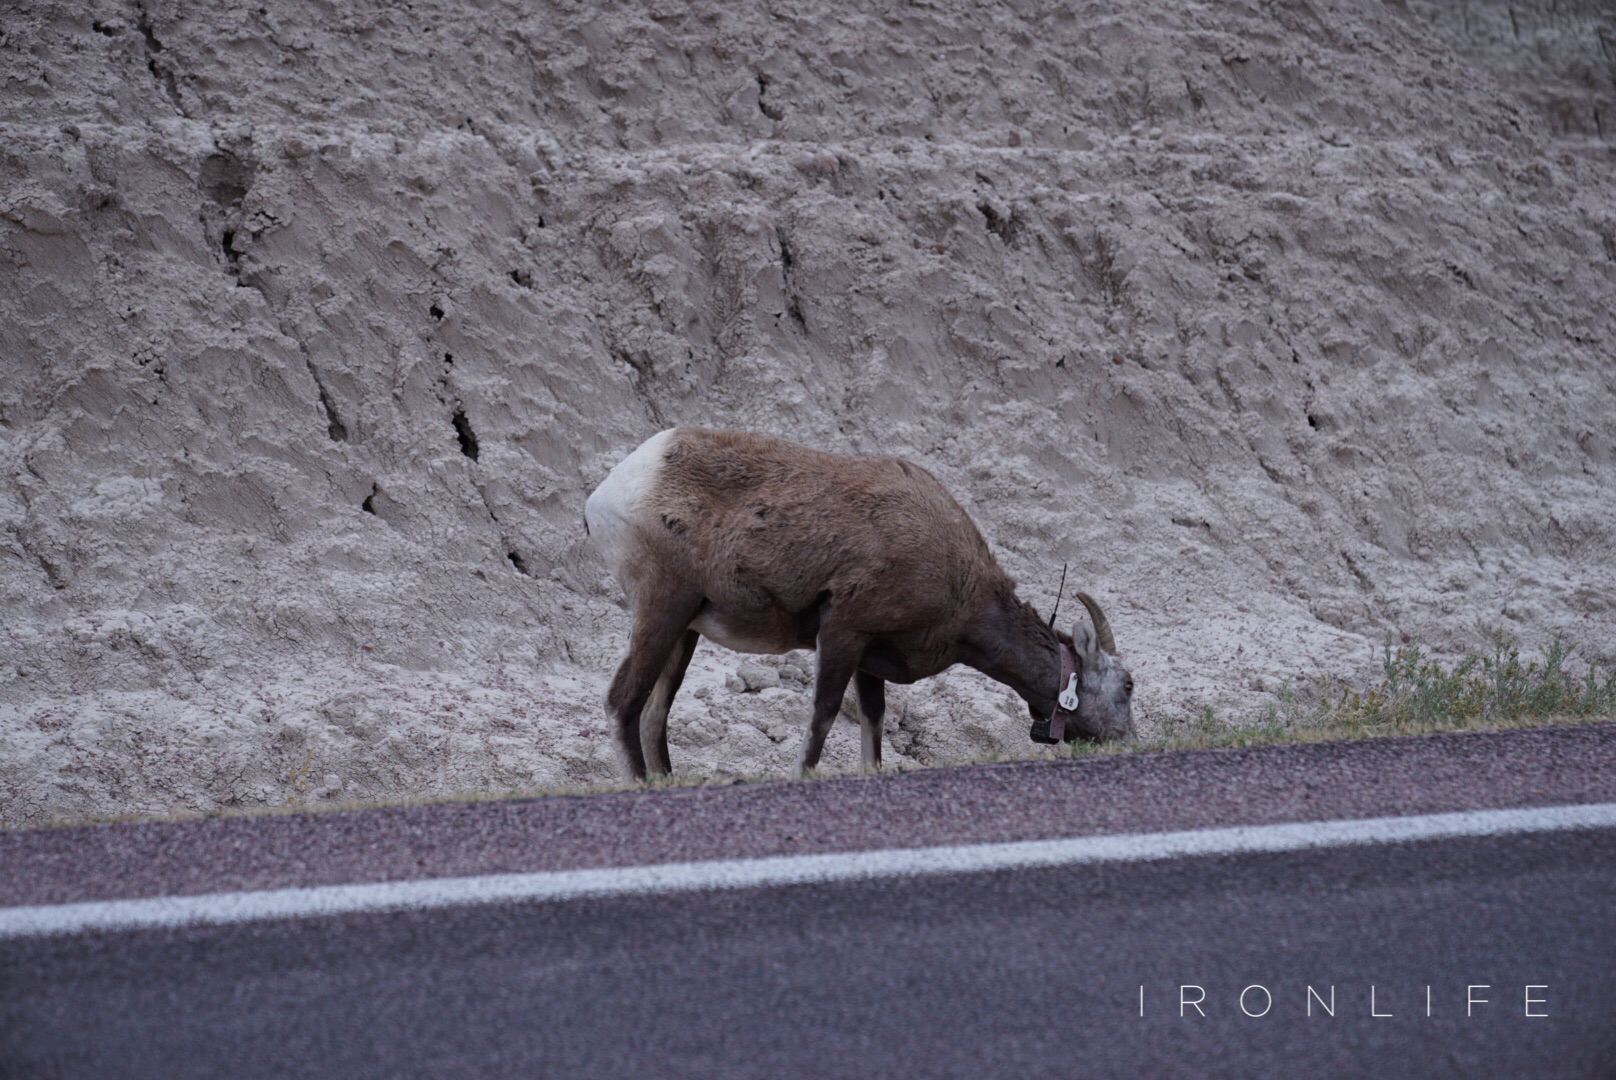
(1416, 694)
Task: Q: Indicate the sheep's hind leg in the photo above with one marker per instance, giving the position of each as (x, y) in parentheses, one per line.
(838, 656)
(658, 626)
(872, 699)
(654, 720)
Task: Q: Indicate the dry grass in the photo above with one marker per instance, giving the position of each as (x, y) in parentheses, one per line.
(1415, 695)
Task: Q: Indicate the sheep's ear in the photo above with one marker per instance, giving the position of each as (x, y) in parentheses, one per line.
(1083, 644)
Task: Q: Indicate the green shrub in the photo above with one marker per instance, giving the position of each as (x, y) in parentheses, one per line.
(1484, 689)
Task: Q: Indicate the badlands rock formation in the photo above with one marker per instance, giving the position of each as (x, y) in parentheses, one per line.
(1288, 324)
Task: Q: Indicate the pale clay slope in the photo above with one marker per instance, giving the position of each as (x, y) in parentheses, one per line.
(1288, 325)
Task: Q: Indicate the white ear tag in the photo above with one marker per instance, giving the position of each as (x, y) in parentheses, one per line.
(1068, 696)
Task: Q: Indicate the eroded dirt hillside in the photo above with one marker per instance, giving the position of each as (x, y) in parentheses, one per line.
(1289, 325)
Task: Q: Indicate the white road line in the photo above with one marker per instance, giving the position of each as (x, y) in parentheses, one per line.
(221, 908)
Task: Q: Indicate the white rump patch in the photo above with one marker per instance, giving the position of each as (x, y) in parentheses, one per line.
(615, 506)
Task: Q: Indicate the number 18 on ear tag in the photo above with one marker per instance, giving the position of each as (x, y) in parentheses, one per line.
(1068, 696)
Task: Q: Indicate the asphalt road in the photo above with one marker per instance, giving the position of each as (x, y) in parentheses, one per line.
(1027, 972)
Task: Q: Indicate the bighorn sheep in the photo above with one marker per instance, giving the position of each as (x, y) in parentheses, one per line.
(764, 546)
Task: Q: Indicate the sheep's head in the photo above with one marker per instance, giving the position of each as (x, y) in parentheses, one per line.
(1104, 707)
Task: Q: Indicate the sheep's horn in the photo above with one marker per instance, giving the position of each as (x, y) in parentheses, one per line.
(1102, 625)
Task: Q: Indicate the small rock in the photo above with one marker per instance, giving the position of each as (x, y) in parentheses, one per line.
(820, 164)
(296, 148)
(757, 677)
(793, 672)
(735, 684)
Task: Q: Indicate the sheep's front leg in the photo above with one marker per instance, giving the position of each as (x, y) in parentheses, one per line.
(872, 699)
(836, 661)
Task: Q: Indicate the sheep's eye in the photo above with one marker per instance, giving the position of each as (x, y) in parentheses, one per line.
(1128, 687)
